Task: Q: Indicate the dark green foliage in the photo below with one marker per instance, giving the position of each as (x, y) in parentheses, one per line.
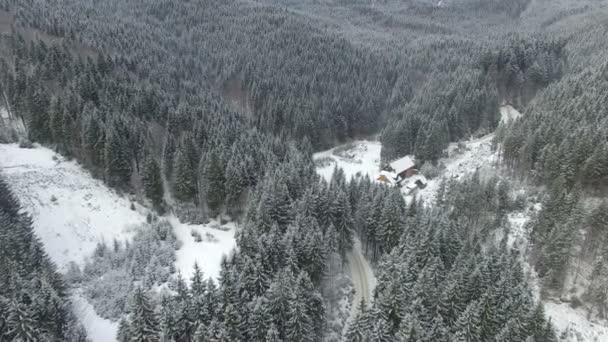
(214, 183)
(152, 181)
(437, 284)
(184, 184)
(143, 324)
(117, 162)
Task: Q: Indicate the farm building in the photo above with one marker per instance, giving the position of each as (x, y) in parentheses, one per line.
(403, 167)
(400, 173)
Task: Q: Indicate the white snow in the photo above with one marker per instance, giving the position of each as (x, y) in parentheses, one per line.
(508, 114)
(4, 113)
(217, 241)
(362, 275)
(357, 158)
(573, 325)
(71, 210)
(98, 329)
(477, 154)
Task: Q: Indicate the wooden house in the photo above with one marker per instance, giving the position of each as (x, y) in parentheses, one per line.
(403, 168)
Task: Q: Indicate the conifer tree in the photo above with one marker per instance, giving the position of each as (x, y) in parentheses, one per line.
(152, 181)
(116, 158)
(215, 183)
(184, 181)
(143, 324)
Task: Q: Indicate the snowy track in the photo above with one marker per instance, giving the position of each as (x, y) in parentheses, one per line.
(362, 277)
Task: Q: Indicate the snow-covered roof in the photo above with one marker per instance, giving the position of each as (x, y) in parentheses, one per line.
(389, 176)
(403, 164)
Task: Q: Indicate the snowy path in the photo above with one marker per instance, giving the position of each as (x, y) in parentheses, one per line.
(98, 329)
(362, 277)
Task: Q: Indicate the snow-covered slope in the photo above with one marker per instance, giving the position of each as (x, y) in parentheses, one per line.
(71, 210)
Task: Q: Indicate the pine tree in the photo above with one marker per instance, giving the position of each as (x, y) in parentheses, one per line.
(143, 325)
(359, 328)
(184, 183)
(117, 160)
(215, 183)
(273, 334)
(467, 326)
(20, 325)
(152, 181)
(123, 333)
(342, 221)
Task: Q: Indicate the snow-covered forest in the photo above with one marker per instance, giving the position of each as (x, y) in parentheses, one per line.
(207, 170)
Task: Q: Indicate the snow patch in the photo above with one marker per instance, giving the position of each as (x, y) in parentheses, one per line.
(463, 159)
(98, 329)
(357, 158)
(217, 241)
(508, 114)
(71, 210)
(573, 325)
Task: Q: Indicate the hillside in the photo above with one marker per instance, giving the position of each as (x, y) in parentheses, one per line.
(206, 170)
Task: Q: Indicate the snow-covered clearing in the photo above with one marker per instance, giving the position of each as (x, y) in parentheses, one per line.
(508, 114)
(217, 241)
(71, 210)
(98, 329)
(355, 158)
(573, 324)
(463, 158)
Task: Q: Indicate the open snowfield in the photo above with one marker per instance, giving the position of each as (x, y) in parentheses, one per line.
(217, 241)
(70, 209)
(572, 324)
(71, 212)
(357, 158)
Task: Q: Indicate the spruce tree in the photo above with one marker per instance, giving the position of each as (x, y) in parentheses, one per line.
(152, 181)
(184, 181)
(215, 183)
(143, 324)
(116, 158)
